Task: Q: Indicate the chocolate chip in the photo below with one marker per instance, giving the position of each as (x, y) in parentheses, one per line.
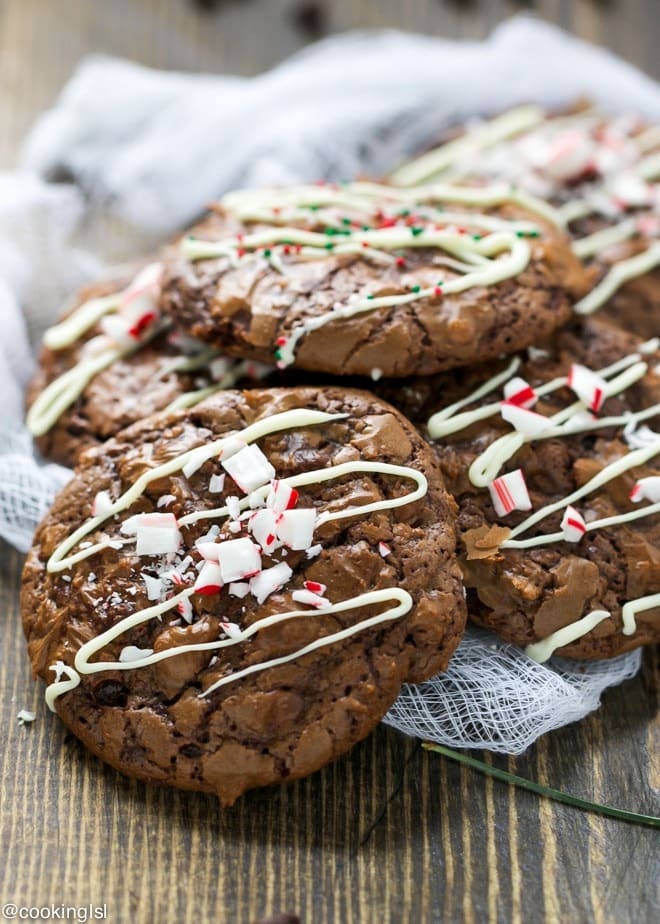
(110, 693)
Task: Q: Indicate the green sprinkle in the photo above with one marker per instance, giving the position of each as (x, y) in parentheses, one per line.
(329, 246)
(477, 237)
(440, 282)
(366, 227)
(313, 208)
(346, 221)
(404, 213)
(415, 288)
(277, 353)
(416, 230)
(267, 252)
(370, 297)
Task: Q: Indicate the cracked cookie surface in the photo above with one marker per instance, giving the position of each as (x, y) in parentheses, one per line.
(181, 719)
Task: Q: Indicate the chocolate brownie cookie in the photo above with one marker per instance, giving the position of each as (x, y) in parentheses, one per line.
(555, 464)
(597, 170)
(232, 595)
(113, 360)
(364, 279)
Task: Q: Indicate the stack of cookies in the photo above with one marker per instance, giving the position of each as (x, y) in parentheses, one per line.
(330, 424)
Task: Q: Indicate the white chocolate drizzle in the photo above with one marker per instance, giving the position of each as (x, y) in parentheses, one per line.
(498, 252)
(485, 135)
(542, 650)
(63, 391)
(529, 148)
(618, 376)
(621, 272)
(400, 600)
(103, 352)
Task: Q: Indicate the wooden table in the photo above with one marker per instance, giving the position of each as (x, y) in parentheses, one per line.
(390, 833)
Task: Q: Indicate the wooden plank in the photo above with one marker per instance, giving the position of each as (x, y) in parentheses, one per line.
(390, 833)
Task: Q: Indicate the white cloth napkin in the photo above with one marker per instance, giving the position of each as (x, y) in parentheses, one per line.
(153, 148)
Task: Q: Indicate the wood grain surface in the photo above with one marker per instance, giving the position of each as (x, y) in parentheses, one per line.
(390, 834)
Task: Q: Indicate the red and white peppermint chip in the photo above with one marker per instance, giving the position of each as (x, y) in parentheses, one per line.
(281, 497)
(509, 492)
(184, 608)
(157, 533)
(646, 489)
(269, 580)
(249, 468)
(309, 598)
(529, 423)
(573, 525)
(102, 504)
(518, 391)
(239, 558)
(588, 386)
(263, 526)
(316, 587)
(209, 579)
(295, 528)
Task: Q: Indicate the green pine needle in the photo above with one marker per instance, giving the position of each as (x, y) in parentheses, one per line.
(505, 777)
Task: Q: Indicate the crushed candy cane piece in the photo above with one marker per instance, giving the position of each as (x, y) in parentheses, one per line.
(314, 550)
(239, 558)
(157, 534)
(573, 525)
(165, 500)
(231, 629)
(519, 392)
(646, 489)
(239, 589)
(185, 609)
(296, 527)
(384, 550)
(209, 579)
(154, 587)
(269, 580)
(527, 422)
(569, 156)
(25, 716)
(263, 524)
(311, 599)
(315, 586)
(216, 484)
(281, 497)
(197, 458)
(102, 504)
(509, 492)
(210, 551)
(588, 386)
(249, 468)
(233, 506)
